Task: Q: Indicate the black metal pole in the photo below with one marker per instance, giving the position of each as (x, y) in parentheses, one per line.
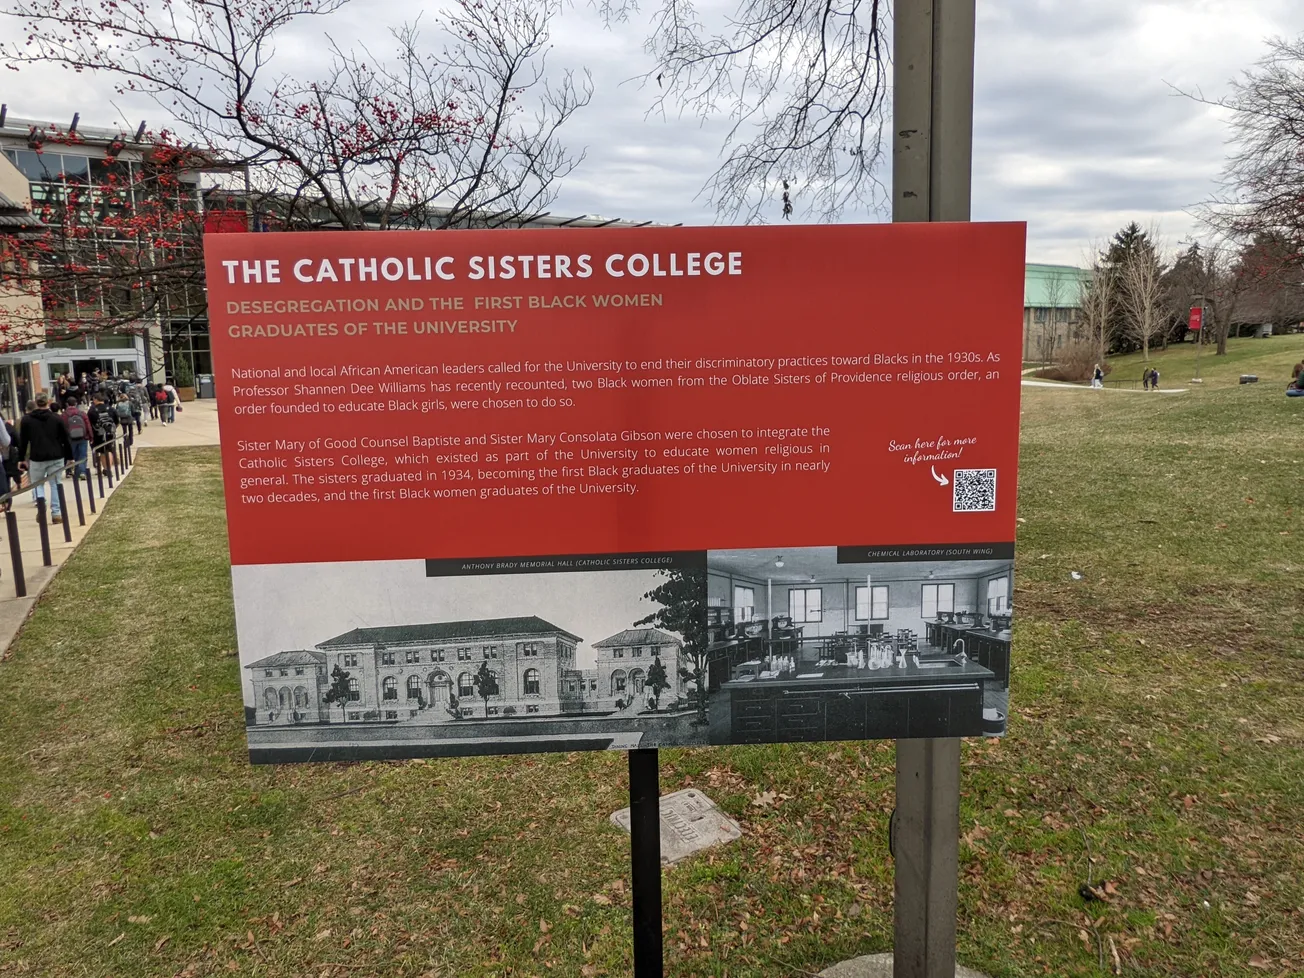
(45, 532)
(16, 554)
(99, 471)
(76, 492)
(645, 860)
(63, 510)
(90, 489)
(111, 466)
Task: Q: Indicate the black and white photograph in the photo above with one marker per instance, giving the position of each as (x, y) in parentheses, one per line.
(385, 659)
(820, 643)
(408, 658)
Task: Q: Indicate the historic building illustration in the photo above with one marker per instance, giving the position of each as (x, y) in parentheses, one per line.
(444, 671)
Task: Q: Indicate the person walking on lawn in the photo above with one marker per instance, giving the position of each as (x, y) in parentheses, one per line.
(43, 449)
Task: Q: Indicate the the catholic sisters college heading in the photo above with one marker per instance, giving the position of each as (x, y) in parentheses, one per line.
(506, 491)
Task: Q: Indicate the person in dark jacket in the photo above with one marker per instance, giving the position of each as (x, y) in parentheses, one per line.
(43, 449)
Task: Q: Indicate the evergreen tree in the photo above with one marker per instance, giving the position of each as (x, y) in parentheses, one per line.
(1131, 243)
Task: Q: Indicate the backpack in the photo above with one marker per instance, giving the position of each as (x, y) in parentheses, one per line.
(170, 396)
(123, 410)
(160, 397)
(78, 424)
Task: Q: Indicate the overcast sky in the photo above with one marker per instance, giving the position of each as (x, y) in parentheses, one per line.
(1077, 130)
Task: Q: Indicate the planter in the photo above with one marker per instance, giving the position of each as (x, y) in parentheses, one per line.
(186, 393)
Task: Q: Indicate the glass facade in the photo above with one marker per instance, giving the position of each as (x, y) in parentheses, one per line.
(79, 187)
(189, 340)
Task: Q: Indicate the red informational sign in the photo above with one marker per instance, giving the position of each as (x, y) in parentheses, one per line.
(1196, 319)
(531, 490)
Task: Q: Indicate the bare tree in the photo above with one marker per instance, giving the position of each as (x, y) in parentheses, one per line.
(1097, 298)
(1143, 293)
(1227, 280)
(1264, 175)
(440, 134)
(1055, 294)
(803, 84)
(459, 127)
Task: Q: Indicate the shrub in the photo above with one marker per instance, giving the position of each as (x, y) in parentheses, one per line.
(1074, 363)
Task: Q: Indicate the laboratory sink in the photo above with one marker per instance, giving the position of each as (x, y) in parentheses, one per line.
(939, 664)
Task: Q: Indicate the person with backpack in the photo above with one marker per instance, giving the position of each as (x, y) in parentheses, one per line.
(122, 414)
(103, 428)
(139, 397)
(79, 432)
(43, 450)
(169, 410)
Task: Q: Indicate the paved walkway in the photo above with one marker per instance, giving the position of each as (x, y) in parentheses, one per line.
(1058, 385)
(196, 425)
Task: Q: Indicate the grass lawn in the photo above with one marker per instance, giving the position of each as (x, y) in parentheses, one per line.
(1270, 358)
(1156, 747)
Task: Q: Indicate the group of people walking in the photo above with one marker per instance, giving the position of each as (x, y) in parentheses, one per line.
(65, 425)
(1149, 378)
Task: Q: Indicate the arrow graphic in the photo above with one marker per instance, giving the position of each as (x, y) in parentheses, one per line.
(941, 479)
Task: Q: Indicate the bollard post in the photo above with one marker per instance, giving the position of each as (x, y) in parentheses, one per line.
(108, 469)
(99, 474)
(76, 492)
(90, 489)
(63, 510)
(41, 525)
(16, 554)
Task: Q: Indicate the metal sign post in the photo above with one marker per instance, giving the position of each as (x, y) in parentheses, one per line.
(645, 860)
(932, 150)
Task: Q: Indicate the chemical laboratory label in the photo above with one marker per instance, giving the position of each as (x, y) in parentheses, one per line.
(535, 490)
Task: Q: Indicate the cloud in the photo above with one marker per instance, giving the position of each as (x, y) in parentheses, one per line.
(1077, 128)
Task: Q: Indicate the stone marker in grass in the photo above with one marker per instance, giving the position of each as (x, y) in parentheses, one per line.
(689, 821)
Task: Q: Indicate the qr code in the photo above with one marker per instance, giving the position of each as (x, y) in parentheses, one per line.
(974, 491)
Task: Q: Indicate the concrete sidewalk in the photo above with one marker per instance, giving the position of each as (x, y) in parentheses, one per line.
(195, 426)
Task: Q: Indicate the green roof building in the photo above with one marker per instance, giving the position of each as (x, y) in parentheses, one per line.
(1052, 310)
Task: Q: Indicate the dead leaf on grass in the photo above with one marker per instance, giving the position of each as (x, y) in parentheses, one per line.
(764, 799)
(1259, 961)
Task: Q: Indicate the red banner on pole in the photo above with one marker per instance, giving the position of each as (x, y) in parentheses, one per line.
(1196, 320)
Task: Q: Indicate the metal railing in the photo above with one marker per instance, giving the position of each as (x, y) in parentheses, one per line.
(111, 458)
